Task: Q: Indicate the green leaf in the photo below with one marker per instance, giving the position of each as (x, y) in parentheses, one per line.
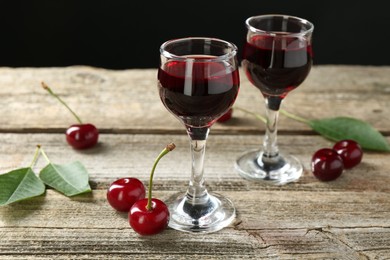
(70, 179)
(18, 185)
(339, 128)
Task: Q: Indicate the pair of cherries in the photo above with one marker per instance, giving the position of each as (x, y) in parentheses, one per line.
(128, 195)
(147, 216)
(328, 164)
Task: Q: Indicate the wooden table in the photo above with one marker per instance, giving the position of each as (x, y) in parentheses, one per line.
(348, 218)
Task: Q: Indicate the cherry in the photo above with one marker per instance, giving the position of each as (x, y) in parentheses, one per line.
(81, 135)
(149, 221)
(124, 192)
(350, 151)
(326, 164)
(150, 216)
(225, 117)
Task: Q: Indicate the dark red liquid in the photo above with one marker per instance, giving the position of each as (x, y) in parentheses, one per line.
(200, 97)
(277, 65)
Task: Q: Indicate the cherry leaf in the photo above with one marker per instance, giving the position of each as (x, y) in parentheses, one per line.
(339, 128)
(19, 184)
(69, 179)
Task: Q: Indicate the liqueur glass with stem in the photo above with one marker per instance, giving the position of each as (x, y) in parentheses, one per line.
(198, 81)
(277, 57)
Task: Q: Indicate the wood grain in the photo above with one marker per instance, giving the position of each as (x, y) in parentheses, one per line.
(348, 218)
(270, 224)
(127, 100)
(123, 155)
(257, 209)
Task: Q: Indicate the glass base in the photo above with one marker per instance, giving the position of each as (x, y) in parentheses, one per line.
(278, 171)
(205, 215)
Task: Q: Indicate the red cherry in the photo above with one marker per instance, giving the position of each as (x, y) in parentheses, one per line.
(225, 117)
(149, 222)
(82, 136)
(326, 164)
(123, 193)
(350, 151)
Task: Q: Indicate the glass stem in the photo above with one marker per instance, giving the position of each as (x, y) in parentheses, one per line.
(270, 147)
(197, 192)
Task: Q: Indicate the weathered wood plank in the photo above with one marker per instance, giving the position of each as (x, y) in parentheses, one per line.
(270, 224)
(133, 155)
(127, 101)
(257, 209)
(226, 244)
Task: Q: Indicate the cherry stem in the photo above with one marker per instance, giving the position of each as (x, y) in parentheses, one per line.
(295, 117)
(166, 150)
(284, 112)
(261, 118)
(35, 156)
(45, 155)
(61, 101)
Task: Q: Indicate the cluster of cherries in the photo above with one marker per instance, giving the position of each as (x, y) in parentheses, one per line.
(328, 164)
(147, 216)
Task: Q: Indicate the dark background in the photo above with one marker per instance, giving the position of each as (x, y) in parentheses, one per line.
(119, 34)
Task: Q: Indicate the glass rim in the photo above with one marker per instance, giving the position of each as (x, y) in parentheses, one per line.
(225, 56)
(302, 20)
